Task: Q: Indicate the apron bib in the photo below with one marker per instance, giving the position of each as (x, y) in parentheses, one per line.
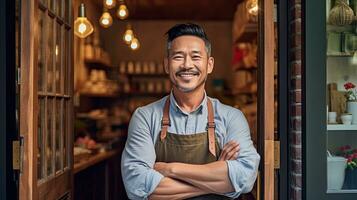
(200, 148)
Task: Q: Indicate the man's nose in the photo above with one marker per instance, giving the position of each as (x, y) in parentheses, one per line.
(188, 62)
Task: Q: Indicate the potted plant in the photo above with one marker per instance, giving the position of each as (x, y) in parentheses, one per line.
(351, 96)
(351, 167)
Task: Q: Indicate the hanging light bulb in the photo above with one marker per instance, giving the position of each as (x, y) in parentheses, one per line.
(82, 26)
(109, 4)
(122, 11)
(128, 35)
(252, 7)
(134, 45)
(106, 19)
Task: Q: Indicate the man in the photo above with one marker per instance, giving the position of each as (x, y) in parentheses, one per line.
(186, 144)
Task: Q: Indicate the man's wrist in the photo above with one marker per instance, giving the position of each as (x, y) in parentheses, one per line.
(173, 169)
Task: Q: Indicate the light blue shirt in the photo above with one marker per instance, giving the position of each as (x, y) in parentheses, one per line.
(138, 158)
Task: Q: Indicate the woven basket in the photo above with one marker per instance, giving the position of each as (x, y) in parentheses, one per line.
(341, 14)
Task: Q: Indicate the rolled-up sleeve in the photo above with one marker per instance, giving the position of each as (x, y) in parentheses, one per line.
(138, 158)
(242, 171)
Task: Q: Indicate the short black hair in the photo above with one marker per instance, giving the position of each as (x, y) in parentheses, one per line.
(187, 29)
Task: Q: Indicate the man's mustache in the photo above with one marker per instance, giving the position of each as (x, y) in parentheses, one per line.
(188, 71)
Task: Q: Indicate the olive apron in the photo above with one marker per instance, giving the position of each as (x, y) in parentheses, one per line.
(200, 148)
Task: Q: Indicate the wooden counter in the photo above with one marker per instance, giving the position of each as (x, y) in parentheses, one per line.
(92, 160)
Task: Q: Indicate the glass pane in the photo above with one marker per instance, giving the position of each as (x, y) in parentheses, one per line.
(67, 10)
(59, 131)
(341, 116)
(40, 135)
(43, 2)
(50, 53)
(51, 4)
(65, 133)
(58, 58)
(59, 7)
(66, 60)
(41, 53)
(49, 137)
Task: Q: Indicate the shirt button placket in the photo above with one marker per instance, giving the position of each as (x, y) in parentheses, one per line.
(190, 124)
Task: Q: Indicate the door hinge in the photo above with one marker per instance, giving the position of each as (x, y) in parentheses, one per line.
(276, 154)
(17, 154)
(18, 77)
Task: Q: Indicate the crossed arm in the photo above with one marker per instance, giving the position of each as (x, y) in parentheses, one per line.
(186, 180)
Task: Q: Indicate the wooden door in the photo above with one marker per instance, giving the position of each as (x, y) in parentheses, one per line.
(266, 99)
(46, 93)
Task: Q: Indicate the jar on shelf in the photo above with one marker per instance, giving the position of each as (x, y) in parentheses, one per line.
(160, 68)
(142, 86)
(151, 87)
(122, 67)
(137, 67)
(145, 67)
(152, 67)
(159, 86)
(130, 67)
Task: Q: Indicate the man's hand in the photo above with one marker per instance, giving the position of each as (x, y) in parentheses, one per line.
(164, 168)
(229, 151)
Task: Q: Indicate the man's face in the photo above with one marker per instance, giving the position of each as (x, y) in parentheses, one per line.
(188, 63)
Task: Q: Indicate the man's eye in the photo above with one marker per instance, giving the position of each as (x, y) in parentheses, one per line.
(196, 57)
(177, 57)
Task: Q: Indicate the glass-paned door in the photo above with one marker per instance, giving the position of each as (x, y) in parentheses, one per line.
(46, 99)
(341, 108)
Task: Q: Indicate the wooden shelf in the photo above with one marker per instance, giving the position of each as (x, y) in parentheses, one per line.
(339, 54)
(94, 95)
(342, 191)
(98, 63)
(142, 75)
(144, 94)
(335, 28)
(92, 160)
(341, 127)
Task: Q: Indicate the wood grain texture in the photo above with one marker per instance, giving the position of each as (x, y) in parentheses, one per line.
(28, 179)
(269, 47)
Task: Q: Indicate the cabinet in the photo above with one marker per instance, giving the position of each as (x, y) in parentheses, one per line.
(330, 62)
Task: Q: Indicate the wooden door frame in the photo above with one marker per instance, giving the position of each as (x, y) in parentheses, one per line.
(8, 130)
(27, 98)
(266, 98)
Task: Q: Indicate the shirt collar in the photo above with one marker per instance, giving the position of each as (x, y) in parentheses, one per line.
(176, 107)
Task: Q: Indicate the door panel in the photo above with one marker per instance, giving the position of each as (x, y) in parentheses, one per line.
(46, 99)
(266, 97)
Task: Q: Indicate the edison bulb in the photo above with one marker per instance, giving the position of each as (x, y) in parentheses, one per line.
(252, 7)
(106, 20)
(83, 27)
(109, 4)
(123, 12)
(128, 36)
(134, 45)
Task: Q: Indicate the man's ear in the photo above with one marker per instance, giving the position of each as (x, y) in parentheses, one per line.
(166, 65)
(210, 65)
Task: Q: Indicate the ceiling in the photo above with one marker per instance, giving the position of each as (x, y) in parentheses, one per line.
(180, 9)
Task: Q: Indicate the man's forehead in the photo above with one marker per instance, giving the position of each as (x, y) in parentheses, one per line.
(188, 39)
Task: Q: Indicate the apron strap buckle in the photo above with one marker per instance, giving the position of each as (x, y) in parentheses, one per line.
(211, 125)
(165, 122)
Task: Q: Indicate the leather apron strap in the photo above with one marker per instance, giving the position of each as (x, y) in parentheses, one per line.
(165, 123)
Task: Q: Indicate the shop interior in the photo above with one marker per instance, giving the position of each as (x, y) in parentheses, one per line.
(117, 54)
(118, 66)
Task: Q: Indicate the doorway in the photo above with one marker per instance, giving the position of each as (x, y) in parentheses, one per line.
(60, 97)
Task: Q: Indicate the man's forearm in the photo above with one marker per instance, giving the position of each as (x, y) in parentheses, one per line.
(169, 188)
(212, 177)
